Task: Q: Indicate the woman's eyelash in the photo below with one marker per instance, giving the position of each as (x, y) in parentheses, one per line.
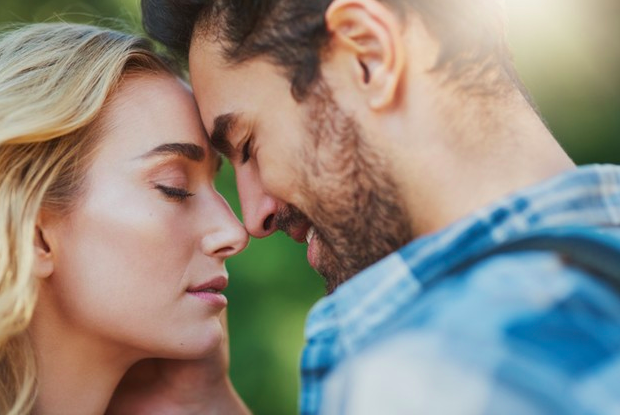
(174, 193)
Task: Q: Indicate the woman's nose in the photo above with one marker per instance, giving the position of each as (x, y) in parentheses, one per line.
(227, 237)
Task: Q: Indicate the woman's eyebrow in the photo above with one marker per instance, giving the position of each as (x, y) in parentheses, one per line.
(187, 150)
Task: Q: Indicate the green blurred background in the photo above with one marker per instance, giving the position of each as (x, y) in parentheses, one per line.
(568, 54)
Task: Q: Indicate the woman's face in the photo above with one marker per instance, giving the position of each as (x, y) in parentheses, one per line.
(139, 263)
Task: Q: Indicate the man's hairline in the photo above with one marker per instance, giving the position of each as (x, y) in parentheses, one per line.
(201, 38)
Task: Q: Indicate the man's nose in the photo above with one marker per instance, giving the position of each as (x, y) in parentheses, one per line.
(258, 208)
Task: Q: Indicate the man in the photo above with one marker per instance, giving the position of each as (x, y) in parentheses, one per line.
(396, 139)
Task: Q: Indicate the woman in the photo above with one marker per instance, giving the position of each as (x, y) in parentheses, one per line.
(112, 236)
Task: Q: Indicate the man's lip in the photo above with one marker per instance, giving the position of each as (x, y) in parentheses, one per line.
(299, 234)
(216, 284)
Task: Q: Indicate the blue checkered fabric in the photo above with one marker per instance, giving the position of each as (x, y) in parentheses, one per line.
(524, 332)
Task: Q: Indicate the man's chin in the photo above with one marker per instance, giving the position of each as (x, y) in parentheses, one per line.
(323, 267)
(332, 272)
(332, 281)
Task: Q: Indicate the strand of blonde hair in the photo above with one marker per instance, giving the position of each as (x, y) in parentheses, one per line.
(55, 80)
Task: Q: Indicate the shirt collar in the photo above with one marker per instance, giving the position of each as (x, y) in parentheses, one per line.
(354, 312)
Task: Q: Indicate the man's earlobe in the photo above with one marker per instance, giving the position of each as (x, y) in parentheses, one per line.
(372, 36)
(43, 258)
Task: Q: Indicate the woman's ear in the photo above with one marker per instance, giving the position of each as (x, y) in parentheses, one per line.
(371, 36)
(44, 259)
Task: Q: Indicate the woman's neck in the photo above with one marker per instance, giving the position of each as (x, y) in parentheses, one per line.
(77, 374)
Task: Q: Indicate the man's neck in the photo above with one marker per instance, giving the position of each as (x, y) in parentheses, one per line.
(473, 155)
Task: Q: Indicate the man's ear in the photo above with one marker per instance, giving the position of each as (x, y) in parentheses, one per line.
(372, 36)
(43, 256)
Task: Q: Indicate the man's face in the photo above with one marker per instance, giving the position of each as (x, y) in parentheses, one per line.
(304, 168)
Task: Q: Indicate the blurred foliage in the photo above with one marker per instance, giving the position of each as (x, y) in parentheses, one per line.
(568, 53)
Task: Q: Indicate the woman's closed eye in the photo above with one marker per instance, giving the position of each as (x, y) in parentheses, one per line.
(174, 193)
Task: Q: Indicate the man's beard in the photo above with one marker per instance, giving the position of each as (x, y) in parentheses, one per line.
(350, 197)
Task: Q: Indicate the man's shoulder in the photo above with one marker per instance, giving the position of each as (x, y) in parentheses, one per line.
(519, 296)
(508, 296)
(527, 301)
(493, 335)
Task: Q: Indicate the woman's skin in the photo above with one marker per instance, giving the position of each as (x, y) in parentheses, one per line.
(119, 275)
(167, 386)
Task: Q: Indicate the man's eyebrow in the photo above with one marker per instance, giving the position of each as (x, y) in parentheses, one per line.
(219, 138)
(188, 150)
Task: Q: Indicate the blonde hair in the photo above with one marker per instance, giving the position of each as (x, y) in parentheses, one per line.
(55, 80)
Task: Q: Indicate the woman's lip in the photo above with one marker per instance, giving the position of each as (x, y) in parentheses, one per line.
(216, 284)
(215, 299)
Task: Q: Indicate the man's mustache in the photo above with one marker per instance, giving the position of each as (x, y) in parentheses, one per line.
(289, 218)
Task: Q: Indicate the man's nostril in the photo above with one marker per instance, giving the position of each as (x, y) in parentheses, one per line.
(268, 222)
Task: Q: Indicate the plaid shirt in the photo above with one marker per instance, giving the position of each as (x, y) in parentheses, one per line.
(519, 333)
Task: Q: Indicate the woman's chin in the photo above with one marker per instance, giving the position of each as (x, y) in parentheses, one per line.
(199, 345)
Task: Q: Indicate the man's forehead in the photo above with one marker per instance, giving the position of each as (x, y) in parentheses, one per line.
(207, 68)
(204, 45)
(207, 57)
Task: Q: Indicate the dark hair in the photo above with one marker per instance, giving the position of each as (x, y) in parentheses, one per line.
(292, 33)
